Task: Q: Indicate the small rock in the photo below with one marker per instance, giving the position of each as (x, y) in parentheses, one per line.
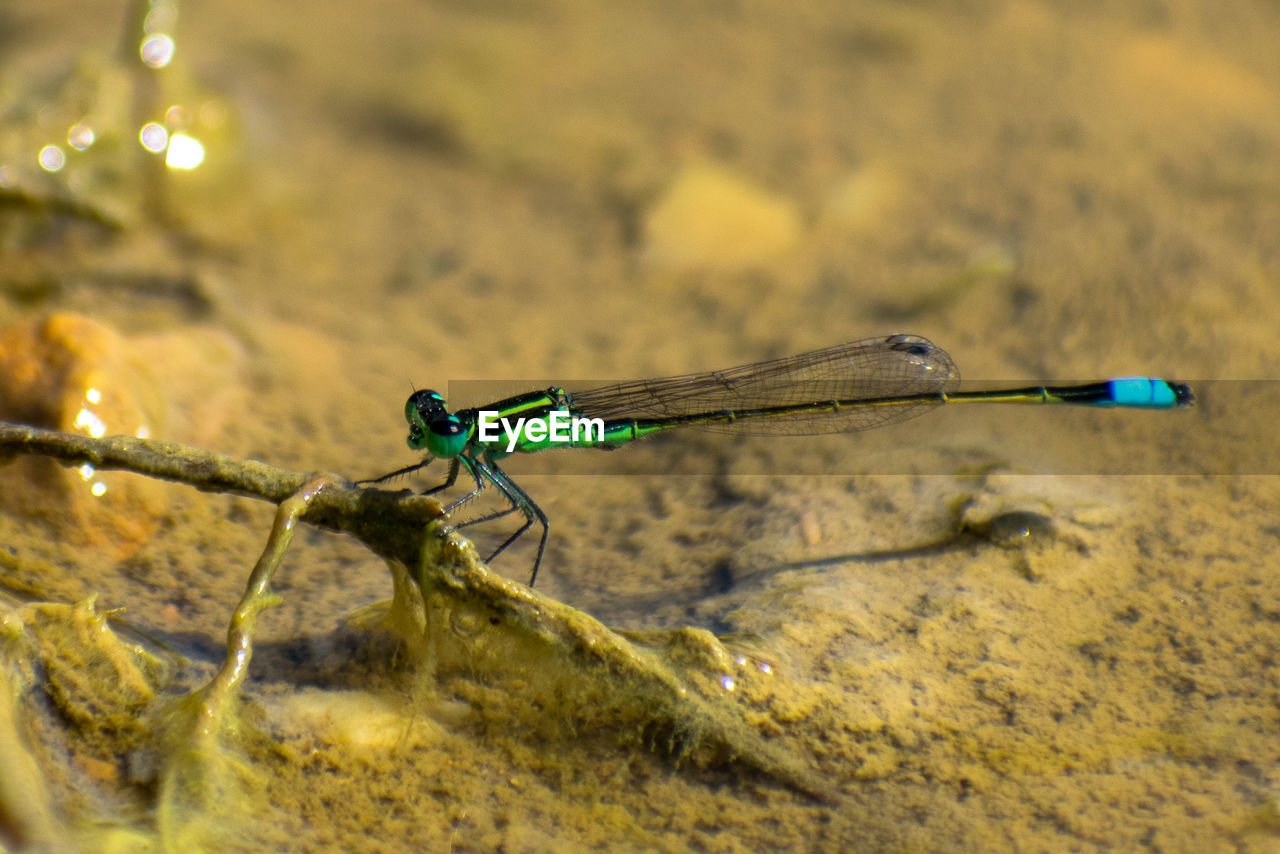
(711, 218)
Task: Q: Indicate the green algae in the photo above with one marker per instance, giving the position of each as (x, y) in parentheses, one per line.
(575, 669)
(102, 686)
(26, 804)
(554, 669)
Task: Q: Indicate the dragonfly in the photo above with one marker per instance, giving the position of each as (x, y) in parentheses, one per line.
(851, 387)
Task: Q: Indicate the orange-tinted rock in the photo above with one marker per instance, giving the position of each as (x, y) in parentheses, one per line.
(74, 374)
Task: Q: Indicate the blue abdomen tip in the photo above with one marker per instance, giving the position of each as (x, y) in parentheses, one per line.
(1142, 392)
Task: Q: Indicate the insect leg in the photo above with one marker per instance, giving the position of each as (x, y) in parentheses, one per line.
(397, 473)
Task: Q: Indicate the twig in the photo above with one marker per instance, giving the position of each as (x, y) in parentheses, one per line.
(389, 523)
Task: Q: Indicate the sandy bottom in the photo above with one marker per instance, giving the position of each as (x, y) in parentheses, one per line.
(1000, 629)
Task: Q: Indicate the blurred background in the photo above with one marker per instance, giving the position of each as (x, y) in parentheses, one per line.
(256, 228)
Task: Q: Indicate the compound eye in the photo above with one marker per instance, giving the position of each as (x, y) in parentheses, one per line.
(426, 403)
(421, 410)
(445, 427)
(446, 437)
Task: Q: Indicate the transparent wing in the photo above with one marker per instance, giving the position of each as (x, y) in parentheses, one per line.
(872, 369)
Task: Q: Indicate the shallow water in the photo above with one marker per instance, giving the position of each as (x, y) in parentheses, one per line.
(424, 193)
